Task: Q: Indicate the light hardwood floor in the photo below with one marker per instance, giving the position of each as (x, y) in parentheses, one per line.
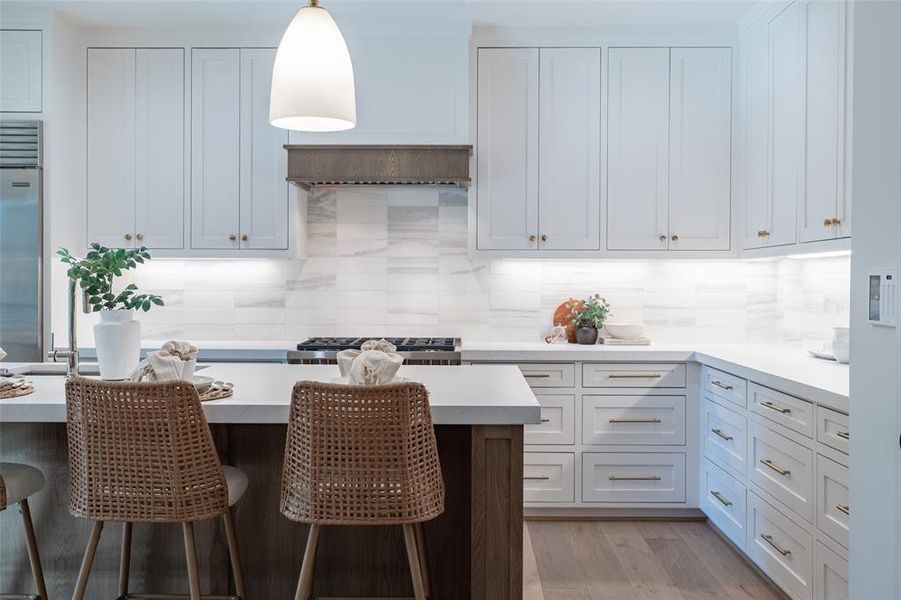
(612, 560)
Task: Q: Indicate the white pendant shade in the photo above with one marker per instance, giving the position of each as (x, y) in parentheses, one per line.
(313, 77)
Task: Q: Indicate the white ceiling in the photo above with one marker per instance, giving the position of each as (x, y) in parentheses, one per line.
(275, 13)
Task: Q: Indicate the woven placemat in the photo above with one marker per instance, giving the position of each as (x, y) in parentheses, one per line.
(16, 391)
(216, 394)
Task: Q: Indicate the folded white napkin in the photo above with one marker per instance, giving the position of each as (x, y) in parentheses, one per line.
(375, 363)
(175, 360)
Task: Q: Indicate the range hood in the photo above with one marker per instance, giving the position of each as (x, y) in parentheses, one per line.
(327, 165)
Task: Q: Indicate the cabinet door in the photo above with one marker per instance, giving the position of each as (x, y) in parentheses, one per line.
(20, 70)
(160, 148)
(264, 191)
(569, 147)
(507, 147)
(637, 148)
(754, 154)
(785, 126)
(700, 148)
(215, 147)
(824, 140)
(111, 146)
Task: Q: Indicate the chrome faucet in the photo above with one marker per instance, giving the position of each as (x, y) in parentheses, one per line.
(70, 355)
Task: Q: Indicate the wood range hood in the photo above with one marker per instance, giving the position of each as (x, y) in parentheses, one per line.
(327, 165)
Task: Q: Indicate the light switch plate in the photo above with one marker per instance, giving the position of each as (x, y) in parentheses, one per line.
(882, 303)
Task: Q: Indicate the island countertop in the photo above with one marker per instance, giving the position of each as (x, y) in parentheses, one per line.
(459, 395)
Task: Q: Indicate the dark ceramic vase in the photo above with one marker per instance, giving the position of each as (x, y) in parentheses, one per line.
(586, 335)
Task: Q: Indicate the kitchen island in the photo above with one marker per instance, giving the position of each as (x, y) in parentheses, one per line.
(474, 549)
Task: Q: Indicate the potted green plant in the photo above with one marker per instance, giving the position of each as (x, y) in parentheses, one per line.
(589, 318)
(117, 336)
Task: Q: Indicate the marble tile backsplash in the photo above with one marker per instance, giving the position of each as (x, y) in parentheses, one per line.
(393, 261)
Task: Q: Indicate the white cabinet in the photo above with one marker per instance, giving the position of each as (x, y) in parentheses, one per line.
(824, 213)
(754, 153)
(238, 188)
(507, 149)
(669, 149)
(135, 147)
(21, 70)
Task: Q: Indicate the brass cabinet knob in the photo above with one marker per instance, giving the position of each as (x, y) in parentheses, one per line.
(675, 238)
(128, 236)
(232, 237)
(531, 238)
(763, 233)
(836, 222)
(139, 236)
(244, 237)
(828, 222)
(662, 238)
(544, 238)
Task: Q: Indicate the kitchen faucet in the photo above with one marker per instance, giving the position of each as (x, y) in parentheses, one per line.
(70, 355)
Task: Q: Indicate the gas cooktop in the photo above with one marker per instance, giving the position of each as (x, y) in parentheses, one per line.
(403, 344)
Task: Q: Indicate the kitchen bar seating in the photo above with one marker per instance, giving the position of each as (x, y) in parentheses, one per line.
(362, 455)
(143, 453)
(17, 483)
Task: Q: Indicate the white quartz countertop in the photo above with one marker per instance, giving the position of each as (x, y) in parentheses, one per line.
(459, 395)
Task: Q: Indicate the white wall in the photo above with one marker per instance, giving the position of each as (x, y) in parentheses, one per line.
(875, 474)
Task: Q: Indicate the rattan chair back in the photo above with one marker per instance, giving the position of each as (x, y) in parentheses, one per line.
(141, 452)
(361, 455)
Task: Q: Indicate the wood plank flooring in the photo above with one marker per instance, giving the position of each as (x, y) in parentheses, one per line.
(622, 560)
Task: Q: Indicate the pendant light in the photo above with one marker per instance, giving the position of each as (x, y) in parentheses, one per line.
(313, 77)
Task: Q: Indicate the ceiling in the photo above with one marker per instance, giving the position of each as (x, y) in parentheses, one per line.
(275, 13)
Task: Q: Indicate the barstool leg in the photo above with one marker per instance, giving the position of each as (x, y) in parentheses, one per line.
(305, 585)
(413, 559)
(233, 554)
(87, 562)
(423, 559)
(191, 555)
(125, 559)
(32, 543)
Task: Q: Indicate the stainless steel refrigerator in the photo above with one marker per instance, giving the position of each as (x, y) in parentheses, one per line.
(21, 245)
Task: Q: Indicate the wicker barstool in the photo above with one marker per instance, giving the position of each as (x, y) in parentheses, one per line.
(143, 453)
(362, 455)
(17, 483)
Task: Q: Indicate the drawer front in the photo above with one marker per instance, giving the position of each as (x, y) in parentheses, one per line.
(832, 429)
(724, 501)
(782, 468)
(833, 510)
(725, 437)
(782, 549)
(831, 573)
(542, 375)
(633, 375)
(619, 477)
(726, 386)
(626, 420)
(558, 421)
(548, 477)
(786, 410)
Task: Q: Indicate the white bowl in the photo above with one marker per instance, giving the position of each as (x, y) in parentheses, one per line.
(625, 331)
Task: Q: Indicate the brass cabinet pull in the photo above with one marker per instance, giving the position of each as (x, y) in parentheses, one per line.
(244, 237)
(232, 237)
(655, 420)
(844, 508)
(720, 433)
(532, 238)
(535, 477)
(545, 420)
(543, 237)
(128, 236)
(675, 238)
(836, 222)
(719, 497)
(828, 223)
(778, 409)
(720, 384)
(650, 478)
(662, 238)
(537, 375)
(634, 376)
(769, 540)
(769, 463)
(845, 435)
(139, 237)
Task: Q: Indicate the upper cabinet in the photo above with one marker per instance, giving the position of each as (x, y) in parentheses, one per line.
(21, 71)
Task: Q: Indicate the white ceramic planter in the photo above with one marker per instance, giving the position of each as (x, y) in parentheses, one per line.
(118, 340)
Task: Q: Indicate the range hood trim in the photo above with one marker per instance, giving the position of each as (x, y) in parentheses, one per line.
(313, 165)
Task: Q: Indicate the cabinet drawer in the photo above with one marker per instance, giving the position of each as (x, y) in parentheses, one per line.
(558, 420)
(726, 386)
(633, 375)
(782, 468)
(548, 477)
(786, 410)
(619, 477)
(831, 575)
(782, 549)
(626, 420)
(725, 437)
(832, 429)
(833, 510)
(724, 501)
(542, 375)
